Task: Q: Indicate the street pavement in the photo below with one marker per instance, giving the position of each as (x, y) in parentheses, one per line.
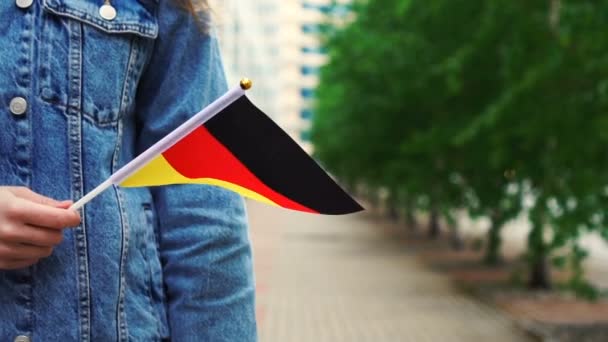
(327, 278)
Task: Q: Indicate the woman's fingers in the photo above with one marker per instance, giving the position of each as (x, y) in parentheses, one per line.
(30, 226)
(20, 251)
(25, 193)
(42, 215)
(32, 235)
(64, 204)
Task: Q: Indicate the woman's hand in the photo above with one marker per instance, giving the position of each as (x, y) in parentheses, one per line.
(30, 226)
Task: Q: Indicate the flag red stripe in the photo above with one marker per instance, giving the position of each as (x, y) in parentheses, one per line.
(200, 155)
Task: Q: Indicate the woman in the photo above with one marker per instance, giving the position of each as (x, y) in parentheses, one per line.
(84, 87)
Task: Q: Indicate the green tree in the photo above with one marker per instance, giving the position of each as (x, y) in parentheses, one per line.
(470, 104)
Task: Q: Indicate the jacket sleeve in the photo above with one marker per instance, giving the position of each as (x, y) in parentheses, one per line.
(204, 244)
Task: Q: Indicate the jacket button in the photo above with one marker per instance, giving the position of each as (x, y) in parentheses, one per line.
(24, 3)
(18, 105)
(107, 11)
(22, 338)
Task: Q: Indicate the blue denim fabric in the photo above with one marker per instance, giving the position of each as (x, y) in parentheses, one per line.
(145, 264)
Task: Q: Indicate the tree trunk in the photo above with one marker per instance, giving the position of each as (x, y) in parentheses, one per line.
(393, 212)
(492, 256)
(373, 198)
(455, 239)
(540, 275)
(434, 224)
(554, 14)
(408, 214)
(410, 219)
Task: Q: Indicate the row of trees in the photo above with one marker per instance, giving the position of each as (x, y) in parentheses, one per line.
(497, 107)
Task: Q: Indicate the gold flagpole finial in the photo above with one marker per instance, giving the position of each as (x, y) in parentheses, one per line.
(246, 84)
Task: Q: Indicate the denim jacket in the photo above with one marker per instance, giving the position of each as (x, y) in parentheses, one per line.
(80, 96)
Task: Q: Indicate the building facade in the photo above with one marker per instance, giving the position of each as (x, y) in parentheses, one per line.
(276, 44)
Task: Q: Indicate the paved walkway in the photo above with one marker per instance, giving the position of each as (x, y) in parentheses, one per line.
(344, 279)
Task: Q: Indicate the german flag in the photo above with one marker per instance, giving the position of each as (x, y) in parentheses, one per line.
(242, 149)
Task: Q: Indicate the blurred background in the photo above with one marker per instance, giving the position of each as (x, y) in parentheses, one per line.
(475, 132)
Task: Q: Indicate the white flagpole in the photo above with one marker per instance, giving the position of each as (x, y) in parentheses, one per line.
(165, 143)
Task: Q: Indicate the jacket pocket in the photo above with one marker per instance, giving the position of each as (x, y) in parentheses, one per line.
(136, 17)
(152, 256)
(91, 65)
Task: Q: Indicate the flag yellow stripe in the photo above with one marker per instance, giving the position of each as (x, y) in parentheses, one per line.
(160, 172)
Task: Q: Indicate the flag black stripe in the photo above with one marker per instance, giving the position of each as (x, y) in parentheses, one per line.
(278, 161)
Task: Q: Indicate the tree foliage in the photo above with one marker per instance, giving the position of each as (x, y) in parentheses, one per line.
(483, 105)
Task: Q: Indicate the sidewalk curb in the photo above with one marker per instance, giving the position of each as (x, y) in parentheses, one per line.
(565, 332)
